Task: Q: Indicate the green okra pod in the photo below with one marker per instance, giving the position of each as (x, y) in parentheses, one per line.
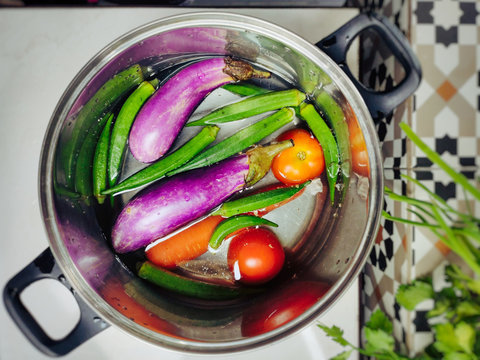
(84, 163)
(251, 106)
(99, 104)
(245, 89)
(336, 117)
(167, 163)
(234, 223)
(122, 126)
(100, 171)
(326, 139)
(186, 286)
(239, 141)
(258, 201)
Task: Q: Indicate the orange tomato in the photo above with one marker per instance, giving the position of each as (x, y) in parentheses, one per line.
(358, 148)
(304, 161)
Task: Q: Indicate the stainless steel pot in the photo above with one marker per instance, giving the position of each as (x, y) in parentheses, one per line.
(335, 240)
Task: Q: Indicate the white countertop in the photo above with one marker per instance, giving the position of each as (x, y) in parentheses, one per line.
(41, 52)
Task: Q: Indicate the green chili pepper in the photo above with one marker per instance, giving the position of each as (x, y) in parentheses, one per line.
(251, 106)
(185, 286)
(100, 171)
(336, 117)
(101, 103)
(122, 126)
(168, 163)
(258, 201)
(84, 163)
(239, 141)
(326, 139)
(234, 223)
(245, 89)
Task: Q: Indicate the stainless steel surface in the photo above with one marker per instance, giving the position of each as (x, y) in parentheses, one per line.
(85, 289)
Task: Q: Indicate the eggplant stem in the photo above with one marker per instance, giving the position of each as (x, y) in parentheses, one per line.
(260, 160)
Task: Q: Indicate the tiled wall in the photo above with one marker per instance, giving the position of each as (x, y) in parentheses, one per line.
(445, 112)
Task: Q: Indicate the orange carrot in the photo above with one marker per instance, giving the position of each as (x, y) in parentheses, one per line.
(186, 245)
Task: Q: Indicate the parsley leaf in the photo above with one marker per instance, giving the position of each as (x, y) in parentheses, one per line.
(410, 295)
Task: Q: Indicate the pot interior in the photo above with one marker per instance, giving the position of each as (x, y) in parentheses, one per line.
(326, 244)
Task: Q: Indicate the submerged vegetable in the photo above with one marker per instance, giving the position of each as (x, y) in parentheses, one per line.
(100, 103)
(239, 141)
(234, 223)
(163, 116)
(188, 244)
(251, 106)
(245, 89)
(259, 201)
(185, 286)
(84, 163)
(336, 117)
(100, 160)
(255, 256)
(122, 126)
(304, 161)
(160, 168)
(165, 206)
(325, 137)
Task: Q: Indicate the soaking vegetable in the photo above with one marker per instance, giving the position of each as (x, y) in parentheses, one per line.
(168, 163)
(122, 126)
(234, 223)
(335, 116)
(239, 141)
(186, 245)
(255, 256)
(84, 163)
(304, 161)
(245, 89)
(163, 116)
(100, 161)
(165, 206)
(358, 149)
(102, 102)
(251, 106)
(326, 139)
(185, 286)
(259, 201)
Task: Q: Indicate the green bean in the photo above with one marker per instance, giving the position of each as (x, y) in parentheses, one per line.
(101, 103)
(84, 163)
(245, 89)
(168, 163)
(234, 223)
(326, 139)
(251, 106)
(336, 118)
(100, 171)
(122, 126)
(258, 201)
(239, 141)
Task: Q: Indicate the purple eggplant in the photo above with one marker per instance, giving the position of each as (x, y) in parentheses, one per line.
(165, 206)
(163, 116)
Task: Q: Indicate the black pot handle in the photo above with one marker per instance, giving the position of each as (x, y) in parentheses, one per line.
(336, 46)
(45, 267)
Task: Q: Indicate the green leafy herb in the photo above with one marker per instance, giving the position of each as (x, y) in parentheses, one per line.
(455, 315)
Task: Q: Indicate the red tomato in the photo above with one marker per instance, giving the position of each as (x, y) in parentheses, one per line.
(358, 148)
(255, 256)
(283, 306)
(304, 161)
